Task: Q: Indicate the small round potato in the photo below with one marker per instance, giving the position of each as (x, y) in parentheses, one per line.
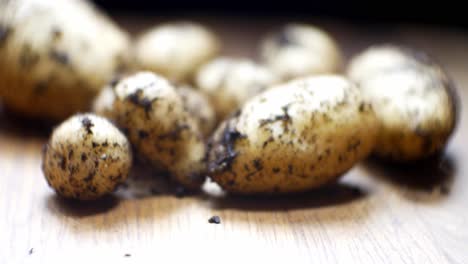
(198, 105)
(55, 55)
(86, 157)
(230, 82)
(176, 50)
(152, 114)
(299, 50)
(413, 98)
(293, 137)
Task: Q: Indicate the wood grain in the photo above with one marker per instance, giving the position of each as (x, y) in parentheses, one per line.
(376, 214)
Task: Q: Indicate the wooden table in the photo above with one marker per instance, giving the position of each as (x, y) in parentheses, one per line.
(376, 214)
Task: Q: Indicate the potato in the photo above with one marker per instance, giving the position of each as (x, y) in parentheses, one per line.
(198, 105)
(377, 59)
(55, 55)
(175, 50)
(299, 50)
(152, 114)
(86, 158)
(413, 98)
(195, 103)
(293, 137)
(104, 102)
(229, 82)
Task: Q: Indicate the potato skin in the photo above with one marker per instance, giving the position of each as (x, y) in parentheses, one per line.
(414, 99)
(195, 103)
(300, 50)
(152, 114)
(104, 102)
(86, 157)
(175, 50)
(198, 105)
(230, 82)
(293, 137)
(56, 55)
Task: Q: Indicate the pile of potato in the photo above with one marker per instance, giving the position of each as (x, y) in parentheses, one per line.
(292, 121)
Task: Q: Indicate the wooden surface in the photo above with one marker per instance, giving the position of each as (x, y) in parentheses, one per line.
(375, 214)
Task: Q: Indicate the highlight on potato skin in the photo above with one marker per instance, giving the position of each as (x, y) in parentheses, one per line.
(293, 137)
(152, 114)
(55, 55)
(414, 99)
(86, 158)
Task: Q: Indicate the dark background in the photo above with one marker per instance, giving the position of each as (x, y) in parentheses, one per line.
(451, 13)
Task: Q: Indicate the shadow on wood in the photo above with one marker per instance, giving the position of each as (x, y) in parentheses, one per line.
(146, 181)
(327, 196)
(427, 180)
(75, 208)
(23, 127)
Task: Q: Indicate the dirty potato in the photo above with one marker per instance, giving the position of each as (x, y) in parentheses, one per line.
(86, 157)
(230, 82)
(293, 137)
(195, 103)
(300, 50)
(55, 55)
(176, 49)
(152, 114)
(413, 98)
(198, 105)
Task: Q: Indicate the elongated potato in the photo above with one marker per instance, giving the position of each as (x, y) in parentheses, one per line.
(194, 101)
(300, 50)
(152, 114)
(175, 50)
(230, 82)
(293, 137)
(413, 98)
(55, 55)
